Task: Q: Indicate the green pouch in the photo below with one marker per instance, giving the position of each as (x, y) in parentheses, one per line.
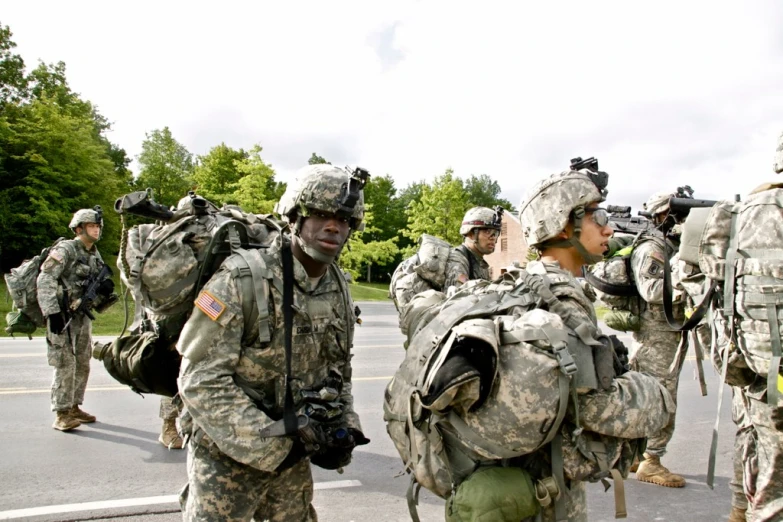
(493, 494)
(18, 322)
(623, 321)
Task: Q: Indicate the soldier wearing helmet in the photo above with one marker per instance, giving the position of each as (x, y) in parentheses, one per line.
(481, 228)
(69, 336)
(657, 344)
(238, 376)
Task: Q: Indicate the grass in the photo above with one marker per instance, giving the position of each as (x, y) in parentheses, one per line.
(601, 311)
(110, 322)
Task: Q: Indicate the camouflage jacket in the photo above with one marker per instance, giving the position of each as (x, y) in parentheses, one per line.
(225, 360)
(647, 263)
(70, 263)
(458, 269)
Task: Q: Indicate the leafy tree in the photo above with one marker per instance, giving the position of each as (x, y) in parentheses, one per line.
(257, 191)
(216, 175)
(315, 159)
(381, 195)
(438, 211)
(13, 82)
(166, 167)
(360, 254)
(483, 191)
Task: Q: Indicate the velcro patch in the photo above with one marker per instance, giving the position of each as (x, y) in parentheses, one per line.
(57, 256)
(210, 305)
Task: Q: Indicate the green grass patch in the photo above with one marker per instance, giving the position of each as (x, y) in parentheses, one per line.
(601, 311)
(369, 291)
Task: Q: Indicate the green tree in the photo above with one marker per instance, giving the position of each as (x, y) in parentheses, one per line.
(166, 166)
(257, 191)
(315, 159)
(438, 211)
(483, 191)
(217, 173)
(13, 82)
(360, 255)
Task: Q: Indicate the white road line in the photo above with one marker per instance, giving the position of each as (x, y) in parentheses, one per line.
(19, 391)
(22, 354)
(131, 502)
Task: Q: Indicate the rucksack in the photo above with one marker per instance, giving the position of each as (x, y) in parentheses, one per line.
(479, 385)
(614, 285)
(22, 283)
(741, 251)
(165, 266)
(424, 270)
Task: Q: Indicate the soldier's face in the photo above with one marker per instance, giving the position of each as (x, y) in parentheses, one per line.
(485, 239)
(594, 237)
(325, 232)
(92, 231)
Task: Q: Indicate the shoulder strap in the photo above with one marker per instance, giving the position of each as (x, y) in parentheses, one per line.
(253, 262)
(289, 415)
(469, 255)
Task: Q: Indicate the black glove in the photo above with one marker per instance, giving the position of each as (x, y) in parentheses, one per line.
(621, 362)
(56, 323)
(338, 453)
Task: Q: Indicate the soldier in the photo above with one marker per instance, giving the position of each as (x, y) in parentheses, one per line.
(69, 336)
(657, 343)
(239, 374)
(481, 228)
(561, 220)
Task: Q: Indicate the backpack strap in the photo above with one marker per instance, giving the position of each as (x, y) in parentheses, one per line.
(252, 263)
(469, 255)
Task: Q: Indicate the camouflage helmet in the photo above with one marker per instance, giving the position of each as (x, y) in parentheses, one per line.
(779, 155)
(86, 215)
(546, 208)
(481, 217)
(658, 202)
(326, 188)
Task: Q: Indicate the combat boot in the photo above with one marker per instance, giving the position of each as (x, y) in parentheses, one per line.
(651, 470)
(64, 421)
(81, 415)
(169, 436)
(737, 514)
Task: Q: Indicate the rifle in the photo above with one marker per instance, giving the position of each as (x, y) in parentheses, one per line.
(622, 222)
(681, 204)
(142, 204)
(89, 295)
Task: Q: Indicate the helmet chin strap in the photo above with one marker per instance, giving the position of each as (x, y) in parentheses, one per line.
(573, 240)
(312, 251)
(473, 245)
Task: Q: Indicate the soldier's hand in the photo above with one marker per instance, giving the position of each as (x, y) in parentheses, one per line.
(358, 437)
(56, 323)
(332, 458)
(296, 454)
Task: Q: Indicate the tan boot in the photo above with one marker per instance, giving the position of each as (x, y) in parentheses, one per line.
(82, 416)
(737, 514)
(64, 421)
(169, 436)
(651, 470)
(635, 466)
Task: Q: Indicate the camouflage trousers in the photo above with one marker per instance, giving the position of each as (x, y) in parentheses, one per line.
(655, 354)
(576, 505)
(69, 353)
(220, 489)
(168, 410)
(739, 415)
(763, 456)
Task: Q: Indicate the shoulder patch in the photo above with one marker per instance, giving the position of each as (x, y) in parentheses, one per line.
(657, 255)
(462, 278)
(57, 256)
(210, 305)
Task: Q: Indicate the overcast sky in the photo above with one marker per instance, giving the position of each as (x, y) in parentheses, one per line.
(663, 93)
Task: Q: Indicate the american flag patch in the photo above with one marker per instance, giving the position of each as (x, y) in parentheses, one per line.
(54, 254)
(210, 305)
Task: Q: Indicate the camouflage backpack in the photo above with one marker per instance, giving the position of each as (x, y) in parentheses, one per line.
(22, 282)
(745, 260)
(164, 266)
(614, 284)
(488, 377)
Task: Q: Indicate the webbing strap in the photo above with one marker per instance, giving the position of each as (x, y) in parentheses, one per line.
(598, 449)
(668, 312)
(289, 415)
(557, 473)
(729, 273)
(413, 498)
(698, 353)
(714, 442)
(774, 364)
(259, 275)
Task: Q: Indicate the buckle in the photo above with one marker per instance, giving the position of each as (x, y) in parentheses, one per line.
(564, 358)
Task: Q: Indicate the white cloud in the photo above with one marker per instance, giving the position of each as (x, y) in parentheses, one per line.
(663, 94)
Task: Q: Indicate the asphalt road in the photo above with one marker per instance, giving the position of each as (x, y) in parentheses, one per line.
(116, 470)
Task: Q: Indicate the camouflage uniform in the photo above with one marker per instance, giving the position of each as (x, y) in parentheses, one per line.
(232, 470)
(657, 344)
(464, 265)
(69, 264)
